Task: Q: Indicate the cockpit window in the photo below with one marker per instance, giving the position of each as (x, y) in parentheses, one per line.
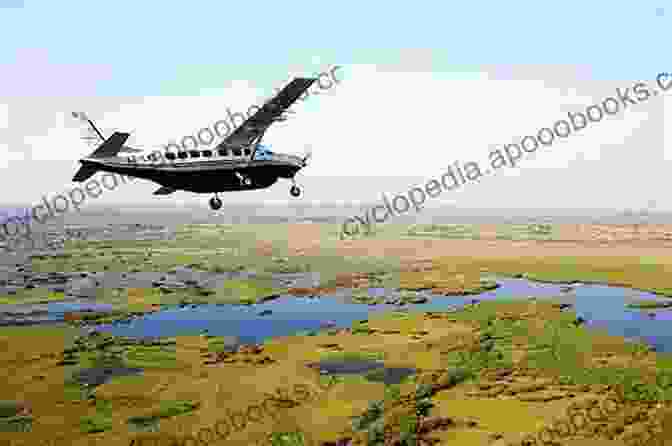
(247, 152)
(237, 152)
(263, 154)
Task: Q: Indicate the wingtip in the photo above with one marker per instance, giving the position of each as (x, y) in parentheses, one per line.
(306, 79)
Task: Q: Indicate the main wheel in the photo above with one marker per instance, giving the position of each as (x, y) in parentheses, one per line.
(215, 203)
(247, 181)
(295, 191)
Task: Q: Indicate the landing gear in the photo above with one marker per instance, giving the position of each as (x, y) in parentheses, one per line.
(215, 203)
(294, 191)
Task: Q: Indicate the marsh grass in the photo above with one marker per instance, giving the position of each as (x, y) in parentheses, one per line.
(287, 439)
(560, 349)
(649, 304)
(373, 422)
(361, 327)
(32, 296)
(245, 291)
(151, 357)
(446, 231)
(101, 421)
(167, 409)
(352, 356)
(616, 271)
(214, 248)
(532, 231)
(218, 344)
(16, 424)
(11, 419)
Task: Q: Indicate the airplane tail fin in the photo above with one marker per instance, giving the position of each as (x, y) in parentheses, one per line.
(92, 135)
(111, 146)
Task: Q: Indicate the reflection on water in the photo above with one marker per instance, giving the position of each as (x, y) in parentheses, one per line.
(602, 306)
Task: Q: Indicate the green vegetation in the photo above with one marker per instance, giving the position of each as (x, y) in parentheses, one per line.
(307, 333)
(454, 231)
(372, 421)
(32, 296)
(217, 248)
(105, 350)
(101, 421)
(12, 419)
(235, 247)
(245, 291)
(218, 344)
(649, 304)
(352, 356)
(288, 439)
(9, 408)
(167, 409)
(361, 327)
(16, 424)
(560, 349)
(151, 357)
(617, 271)
(533, 231)
(330, 380)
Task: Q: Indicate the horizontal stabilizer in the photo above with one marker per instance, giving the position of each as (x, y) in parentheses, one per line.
(164, 190)
(84, 173)
(111, 146)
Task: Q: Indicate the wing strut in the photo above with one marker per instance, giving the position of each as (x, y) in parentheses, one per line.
(256, 144)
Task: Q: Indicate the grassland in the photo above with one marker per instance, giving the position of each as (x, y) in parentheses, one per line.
(551, 362)
(504, 366)
(268, 249)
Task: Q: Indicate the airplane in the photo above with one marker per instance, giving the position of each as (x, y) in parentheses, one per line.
(239, 162)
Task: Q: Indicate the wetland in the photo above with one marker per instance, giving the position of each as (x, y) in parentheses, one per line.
(457, 335)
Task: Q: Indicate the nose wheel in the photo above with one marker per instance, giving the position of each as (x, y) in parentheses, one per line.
(215, 203)
(295, 191)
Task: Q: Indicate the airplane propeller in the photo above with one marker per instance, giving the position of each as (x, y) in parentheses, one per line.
(308, 153)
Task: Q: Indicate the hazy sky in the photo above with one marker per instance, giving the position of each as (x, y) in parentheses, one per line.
(423, 84)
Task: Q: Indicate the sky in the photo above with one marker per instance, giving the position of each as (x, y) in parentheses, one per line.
(422, 85)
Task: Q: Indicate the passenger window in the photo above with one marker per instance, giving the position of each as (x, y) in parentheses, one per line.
(207, 153)
(237, 152)
(182, 155)
(170, 156)
(223, 152)
(194, 153)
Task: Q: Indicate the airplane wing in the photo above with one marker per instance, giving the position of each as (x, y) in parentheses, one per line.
(270, 112)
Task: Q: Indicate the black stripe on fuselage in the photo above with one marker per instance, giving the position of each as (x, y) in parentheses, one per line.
(224, 165)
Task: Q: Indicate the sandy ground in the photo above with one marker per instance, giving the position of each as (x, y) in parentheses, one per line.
(572, 240)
